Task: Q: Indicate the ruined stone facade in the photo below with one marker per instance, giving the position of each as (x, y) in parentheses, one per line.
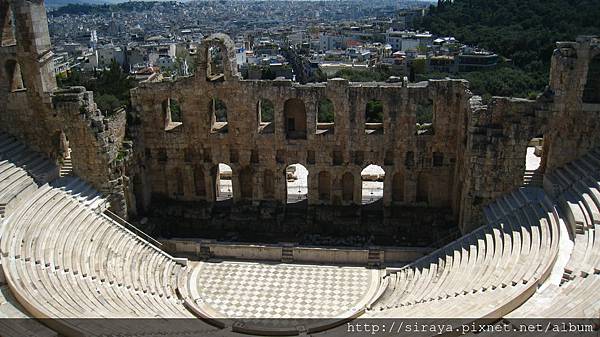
(471, 154)
(54, 121)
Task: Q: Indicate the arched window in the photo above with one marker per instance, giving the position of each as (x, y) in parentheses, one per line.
(246, 183)
(325, 117)
(171, 113)
(8, 25)
(12, 70)
(348, 187)
(374, 117)
(534, 170)
(591, 92)
(215, 70)
(266, 115)
(295, 119)
(372, 178)
(324, 186)
(218, 111)
(398, 187)
(223, 185)
(296, 177)
(425, 118)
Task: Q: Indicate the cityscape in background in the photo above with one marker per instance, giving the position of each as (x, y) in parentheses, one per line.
(305, 41)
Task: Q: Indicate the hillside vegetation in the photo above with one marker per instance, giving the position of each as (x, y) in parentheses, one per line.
(523, 31)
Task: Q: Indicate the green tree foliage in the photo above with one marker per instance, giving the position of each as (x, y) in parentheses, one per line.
(425, 113)
(266, 111)
(374, 111)
(325, 112)
(107, 86)
(175, 110)
(523, 31)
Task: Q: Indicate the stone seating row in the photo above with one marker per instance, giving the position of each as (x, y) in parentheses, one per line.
(40, 168)
(15, 322)
(484, 273)
(577, 295)
(57, 232)
(21, 170)
(64, 260)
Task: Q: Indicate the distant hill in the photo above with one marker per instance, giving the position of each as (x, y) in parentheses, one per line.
(523, 31)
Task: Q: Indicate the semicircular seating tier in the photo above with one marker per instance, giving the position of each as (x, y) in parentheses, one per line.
(21, 171)
(486, 273)
(577, 189)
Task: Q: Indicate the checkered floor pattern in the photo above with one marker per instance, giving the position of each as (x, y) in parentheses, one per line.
(258, 290)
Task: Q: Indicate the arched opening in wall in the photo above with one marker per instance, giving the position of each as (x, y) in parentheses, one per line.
(591, 91)
(199, 183)
(374, 117)
(294, 113)
(268, 184)
(246, 183)
(348, 187)
(325, 117)
(63, 153)
(324, 186)
(425, 118)
(372, 178)
(12, 70)
(218, 111)
(534, 170)
(296, 177)
(172, 113)
(266, 114)
(423, 187)
(8, 26)
(398, 187)
(223, 184)
(215, 70)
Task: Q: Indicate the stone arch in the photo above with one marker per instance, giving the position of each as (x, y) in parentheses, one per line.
(591, 91)
(372, 177)
(535, 161)
(325, 116)
(268, 184)
(13, 73)
(294, 112)
(324, 186)
(374, 112)
(7, 25)
(246, 183)
(348, 187)
(265, 111)
(222, 46)
(172, 114)
(218, 115)
(296, 177)
(223, 182)
(199, 182)
(425, 116)
(398, 187)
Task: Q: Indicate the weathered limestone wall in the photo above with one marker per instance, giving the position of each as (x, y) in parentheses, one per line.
(575, 125)
(176, 155)
(35, 111)
(496, 150)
